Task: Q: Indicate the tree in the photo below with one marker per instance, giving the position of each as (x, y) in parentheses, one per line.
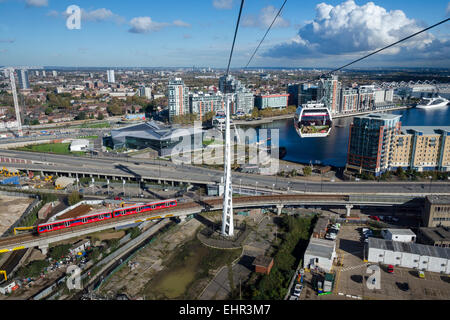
(74, 198)
(255, 112)
(48, 111)
(100, 116)
(307, 171)
(81, 116)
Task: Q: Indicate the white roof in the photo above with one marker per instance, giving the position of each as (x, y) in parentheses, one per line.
(402, 232)
(79, 142)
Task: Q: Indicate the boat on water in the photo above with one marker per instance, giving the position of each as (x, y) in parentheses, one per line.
(432, 103)
(313, 120)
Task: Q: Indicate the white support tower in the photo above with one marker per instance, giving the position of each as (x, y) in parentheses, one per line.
(227, 216)
(16, 101)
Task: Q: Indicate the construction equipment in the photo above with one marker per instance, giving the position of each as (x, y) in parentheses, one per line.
(4, 273)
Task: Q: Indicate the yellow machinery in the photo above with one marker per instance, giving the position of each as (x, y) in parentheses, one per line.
(21, 229)
(48, 178)
(4, 273)
(58, 187)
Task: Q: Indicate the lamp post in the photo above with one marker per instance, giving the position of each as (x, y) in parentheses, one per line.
(273, 188)
(256, 188)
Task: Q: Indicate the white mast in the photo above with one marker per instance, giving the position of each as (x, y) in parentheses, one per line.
(227, 216)
(16, 102)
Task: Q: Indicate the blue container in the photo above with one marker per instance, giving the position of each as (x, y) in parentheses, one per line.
(12, 180)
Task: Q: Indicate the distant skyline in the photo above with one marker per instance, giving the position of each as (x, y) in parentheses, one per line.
(175, 33)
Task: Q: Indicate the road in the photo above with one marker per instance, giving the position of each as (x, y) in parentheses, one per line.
(164, 170)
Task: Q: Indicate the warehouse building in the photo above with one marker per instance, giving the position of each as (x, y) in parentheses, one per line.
(320, 253)
(402, 235)
(436, 211)
(438, 236)
(79, 145)
(409, 255)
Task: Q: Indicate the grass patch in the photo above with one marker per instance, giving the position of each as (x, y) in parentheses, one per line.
(57, 148)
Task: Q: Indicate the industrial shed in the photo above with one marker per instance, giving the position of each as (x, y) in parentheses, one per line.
(401, 235)
(409, 255)
(320, 253)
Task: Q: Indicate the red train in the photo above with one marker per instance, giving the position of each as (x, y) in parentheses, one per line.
(91, 218)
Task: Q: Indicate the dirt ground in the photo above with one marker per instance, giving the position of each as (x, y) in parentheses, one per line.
(148, 262)
(11, 209)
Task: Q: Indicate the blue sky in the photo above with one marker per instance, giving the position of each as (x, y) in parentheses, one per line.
(199, 32)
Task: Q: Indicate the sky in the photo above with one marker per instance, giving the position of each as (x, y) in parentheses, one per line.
(175, 33)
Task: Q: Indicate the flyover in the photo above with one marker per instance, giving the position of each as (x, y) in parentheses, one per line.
(157, 171)
(182, 210)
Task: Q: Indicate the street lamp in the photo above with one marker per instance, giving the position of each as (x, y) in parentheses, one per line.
(256, 188)
(273, 188)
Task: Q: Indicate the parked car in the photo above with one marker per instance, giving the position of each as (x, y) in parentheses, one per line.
(330, 236)
(421, 275)
(298, 290)
(293, 298)
(374, 218)
(390, 268)
(395, 219)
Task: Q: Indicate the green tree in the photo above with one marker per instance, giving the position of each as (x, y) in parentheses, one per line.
(307, 171)
(48, 111)
(74, 198)
(81, 116)
(100, 116)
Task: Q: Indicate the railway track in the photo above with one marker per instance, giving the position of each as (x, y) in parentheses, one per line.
(167, 212)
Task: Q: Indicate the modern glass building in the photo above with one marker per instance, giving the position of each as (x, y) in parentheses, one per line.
(152, 134)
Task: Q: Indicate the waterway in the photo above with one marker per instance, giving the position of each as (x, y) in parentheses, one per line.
(332, 150)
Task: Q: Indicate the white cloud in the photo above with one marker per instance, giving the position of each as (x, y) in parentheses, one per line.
(348, 29)
(36, 3)
(265, 18)
(223, 4)
(100, 15)
(145, 24)
(179, 23)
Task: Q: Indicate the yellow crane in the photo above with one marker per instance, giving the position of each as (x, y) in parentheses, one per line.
(4, 273)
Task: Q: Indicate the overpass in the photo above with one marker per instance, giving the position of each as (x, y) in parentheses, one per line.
(182, 210)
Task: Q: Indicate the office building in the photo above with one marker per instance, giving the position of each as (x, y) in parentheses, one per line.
(436, 211)
(366, 98)
(145, 92)
(44, 74)
(349, 100)
(178, 98)
(201, 104)
(55, 73)
(370, 142)
(329, 90)
(110, 76)
(229, 84)
(245, 102)
(273, 101)
(22, 76)
(294, 91)
(435, 236)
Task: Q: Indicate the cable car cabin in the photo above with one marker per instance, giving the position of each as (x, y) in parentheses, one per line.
(73, 222)
(313, 121)
(144, 208)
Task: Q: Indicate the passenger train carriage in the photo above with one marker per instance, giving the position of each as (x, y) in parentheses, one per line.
(100, 216)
